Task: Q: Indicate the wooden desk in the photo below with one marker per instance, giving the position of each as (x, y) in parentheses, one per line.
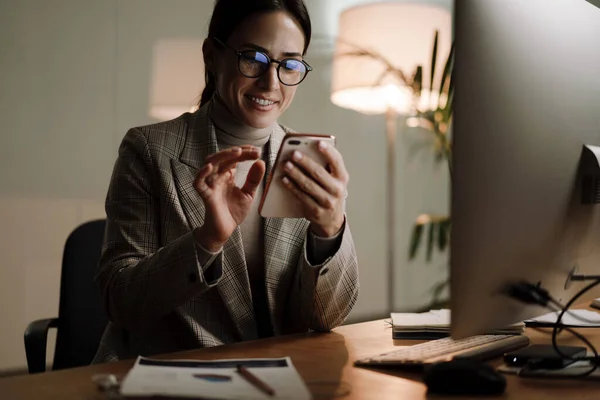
(318, 357)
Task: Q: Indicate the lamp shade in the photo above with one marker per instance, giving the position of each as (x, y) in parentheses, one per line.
(401, 33)
(177, 77)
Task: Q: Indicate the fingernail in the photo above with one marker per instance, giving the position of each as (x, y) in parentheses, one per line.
(286, 181)
(288, 165)
(322, 145)
(297, 155)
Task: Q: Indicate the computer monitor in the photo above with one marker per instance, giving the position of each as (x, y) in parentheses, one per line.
(527, 100)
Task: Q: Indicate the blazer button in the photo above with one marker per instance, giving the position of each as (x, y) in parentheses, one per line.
(193, 277)
(324, 271)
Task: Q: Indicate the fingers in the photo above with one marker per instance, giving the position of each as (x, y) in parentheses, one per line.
(224, 166)
(220, 167)
(247, 154)
(200, 182)
(308, 201)
(207, 179)
(318, 174)
(204, 172)
(335, 161)
(308, 185)
(225, 158)
(254, 178)
(223, 155)
(214, 180)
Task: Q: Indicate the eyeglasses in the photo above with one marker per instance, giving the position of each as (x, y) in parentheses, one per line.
(254, 64)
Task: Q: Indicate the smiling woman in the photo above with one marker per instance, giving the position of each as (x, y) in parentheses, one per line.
(251, 90)
(187, 261)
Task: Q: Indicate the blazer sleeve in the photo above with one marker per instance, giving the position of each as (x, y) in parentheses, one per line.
(139, 280)
(322, 296)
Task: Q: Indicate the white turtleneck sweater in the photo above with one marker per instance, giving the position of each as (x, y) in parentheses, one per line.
(230, 133)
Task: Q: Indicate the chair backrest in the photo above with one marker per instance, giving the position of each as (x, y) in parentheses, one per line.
(81, 315)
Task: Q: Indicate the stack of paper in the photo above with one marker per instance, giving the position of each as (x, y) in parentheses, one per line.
(214, 379)
(572, 318)
(434, 324)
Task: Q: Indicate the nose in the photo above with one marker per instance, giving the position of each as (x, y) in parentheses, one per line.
(270, 79)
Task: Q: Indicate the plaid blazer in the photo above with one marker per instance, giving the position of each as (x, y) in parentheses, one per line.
(152, 284)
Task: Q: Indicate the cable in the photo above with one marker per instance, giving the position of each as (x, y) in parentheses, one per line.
(528, 293)
(534, 294)
(595, 360)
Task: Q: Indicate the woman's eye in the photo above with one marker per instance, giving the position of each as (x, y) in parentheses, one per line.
(255, 56)
(294, 65)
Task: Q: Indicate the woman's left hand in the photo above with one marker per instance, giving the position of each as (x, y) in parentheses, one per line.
(321, 192)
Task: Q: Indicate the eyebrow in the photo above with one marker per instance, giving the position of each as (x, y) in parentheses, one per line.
(257, 47)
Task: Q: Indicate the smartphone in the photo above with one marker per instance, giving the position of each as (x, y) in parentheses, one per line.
(543, 356)
(277, 201)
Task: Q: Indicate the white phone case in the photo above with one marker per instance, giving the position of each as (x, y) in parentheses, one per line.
(277, 200)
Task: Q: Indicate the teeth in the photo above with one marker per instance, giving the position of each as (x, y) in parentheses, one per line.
(262, 102)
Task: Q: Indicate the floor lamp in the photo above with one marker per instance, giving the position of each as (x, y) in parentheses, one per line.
(378, 49)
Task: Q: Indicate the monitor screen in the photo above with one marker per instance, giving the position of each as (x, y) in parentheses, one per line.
(526, 102)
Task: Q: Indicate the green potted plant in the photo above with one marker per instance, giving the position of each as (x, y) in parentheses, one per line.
(434, 230)
(435, 118)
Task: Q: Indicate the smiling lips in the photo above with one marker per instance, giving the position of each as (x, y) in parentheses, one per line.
(262, 102)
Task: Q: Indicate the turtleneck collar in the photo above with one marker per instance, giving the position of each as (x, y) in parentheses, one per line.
(232, 132)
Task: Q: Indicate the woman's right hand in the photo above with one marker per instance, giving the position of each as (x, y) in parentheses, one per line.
(226, 205)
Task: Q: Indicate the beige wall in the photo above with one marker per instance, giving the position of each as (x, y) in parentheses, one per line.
(74, 75)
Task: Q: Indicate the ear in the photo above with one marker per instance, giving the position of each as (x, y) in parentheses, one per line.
(209, 54)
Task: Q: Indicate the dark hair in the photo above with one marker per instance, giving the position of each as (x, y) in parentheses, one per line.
(229, 14)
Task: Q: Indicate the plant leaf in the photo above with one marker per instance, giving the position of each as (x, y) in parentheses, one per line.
(417, 82)
(415, 240)
(430, 240)
(450, 91)
(433, 60)
(381, 77)
(439, 155)
(401, 76)
(442, 235)
(446, 74)
(429, 115)
(448, 108)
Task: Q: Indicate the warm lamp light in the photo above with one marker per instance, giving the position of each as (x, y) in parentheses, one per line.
(378, 50)
(400, 33)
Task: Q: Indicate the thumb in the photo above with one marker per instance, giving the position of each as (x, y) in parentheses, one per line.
(254, 178)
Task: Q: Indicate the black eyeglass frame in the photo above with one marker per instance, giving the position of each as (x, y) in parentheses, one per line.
(269, 59)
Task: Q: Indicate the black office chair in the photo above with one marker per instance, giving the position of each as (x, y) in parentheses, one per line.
(81, 316)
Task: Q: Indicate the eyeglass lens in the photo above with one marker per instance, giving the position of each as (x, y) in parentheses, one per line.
(255, 63)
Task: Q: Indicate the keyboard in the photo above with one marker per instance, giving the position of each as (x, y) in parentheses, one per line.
(480, 348)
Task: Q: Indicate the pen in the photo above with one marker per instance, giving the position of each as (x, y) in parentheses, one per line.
(253, 379)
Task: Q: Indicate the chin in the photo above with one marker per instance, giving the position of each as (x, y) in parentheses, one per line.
(258, 121)
(258, 116)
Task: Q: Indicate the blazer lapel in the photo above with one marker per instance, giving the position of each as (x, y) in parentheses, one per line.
(198, 141)
(234, 287)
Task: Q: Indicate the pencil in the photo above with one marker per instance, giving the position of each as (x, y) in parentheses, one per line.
(253, 379)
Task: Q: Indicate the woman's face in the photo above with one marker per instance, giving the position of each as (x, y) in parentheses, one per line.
(258, 102)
